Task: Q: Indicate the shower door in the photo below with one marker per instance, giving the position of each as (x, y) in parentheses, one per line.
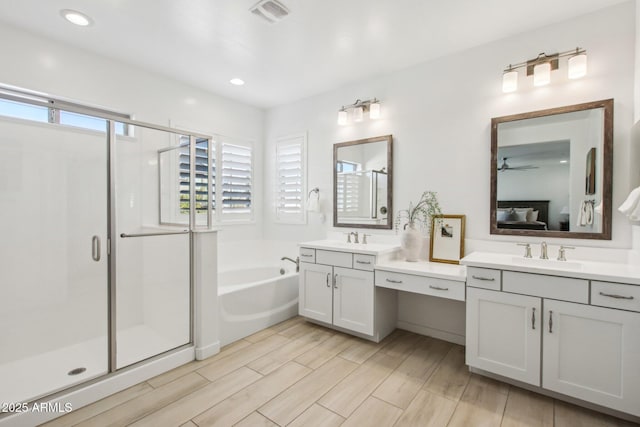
(153, 288)
(53, 257)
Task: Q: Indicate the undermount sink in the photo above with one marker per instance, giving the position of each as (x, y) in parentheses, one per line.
(337, 245)
(547, 263)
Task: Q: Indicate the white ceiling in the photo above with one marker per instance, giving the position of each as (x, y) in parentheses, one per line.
(322, 45)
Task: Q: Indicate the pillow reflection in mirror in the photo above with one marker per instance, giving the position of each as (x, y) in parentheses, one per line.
(502, 214)
(532, 215)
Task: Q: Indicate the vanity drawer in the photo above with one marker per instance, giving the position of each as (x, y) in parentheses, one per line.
(615, 295)
(486, 278)
(538, 285)
(443, 288)
(364, 262)
(337, 259)
(308, 255)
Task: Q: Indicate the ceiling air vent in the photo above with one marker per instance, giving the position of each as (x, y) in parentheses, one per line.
(271, 11)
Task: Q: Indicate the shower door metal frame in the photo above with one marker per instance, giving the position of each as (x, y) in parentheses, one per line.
(43, 100)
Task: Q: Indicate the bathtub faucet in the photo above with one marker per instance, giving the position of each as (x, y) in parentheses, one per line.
(295, 261)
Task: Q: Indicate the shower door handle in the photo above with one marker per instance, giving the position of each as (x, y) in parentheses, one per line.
(95, 248)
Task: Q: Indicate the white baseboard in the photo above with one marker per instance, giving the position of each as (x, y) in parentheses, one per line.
(430, 332)
(101, 388)
(207, 351)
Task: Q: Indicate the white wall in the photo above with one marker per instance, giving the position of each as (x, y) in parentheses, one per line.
(40, 64)
(439, 114)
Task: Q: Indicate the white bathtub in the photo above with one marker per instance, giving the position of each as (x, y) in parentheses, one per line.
(254, 298)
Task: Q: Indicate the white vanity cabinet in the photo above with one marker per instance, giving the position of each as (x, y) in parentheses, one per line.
(592, 353)
(338, 289)
(546, 330)
(503, 334)
(315, 299)
(337, 295)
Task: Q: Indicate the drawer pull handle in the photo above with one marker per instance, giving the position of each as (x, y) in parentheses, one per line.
(615, 296)
(550, 321)
(335, 281)
(363, 262)
(488, 279)
(438, 288)
(393, 281)
(533, 319)
(328, 275)
(306, 255)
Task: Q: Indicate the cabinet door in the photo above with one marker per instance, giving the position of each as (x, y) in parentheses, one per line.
(503, 334)
(592, 353)
(353, 299)
(315, 296)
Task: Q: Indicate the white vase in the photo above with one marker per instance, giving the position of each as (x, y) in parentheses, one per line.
(411, 243)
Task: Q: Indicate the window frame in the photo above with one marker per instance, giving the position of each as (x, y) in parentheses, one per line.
(230, 218)
(55, 110)
(302, 217)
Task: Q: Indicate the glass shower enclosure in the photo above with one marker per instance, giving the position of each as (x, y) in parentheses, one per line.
(92, 277)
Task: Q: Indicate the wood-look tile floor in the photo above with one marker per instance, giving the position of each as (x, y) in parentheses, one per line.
(300, 374)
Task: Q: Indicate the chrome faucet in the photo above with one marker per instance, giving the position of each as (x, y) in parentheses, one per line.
(561, 254)
(543, 251)
(355, 236)
(295, 261)
(527, 249)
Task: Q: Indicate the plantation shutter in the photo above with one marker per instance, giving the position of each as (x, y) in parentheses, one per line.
(205, 176)
(237, 174)
(290, 181)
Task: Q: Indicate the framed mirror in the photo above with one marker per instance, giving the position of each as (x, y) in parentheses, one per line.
(551, 172)
(363, 183)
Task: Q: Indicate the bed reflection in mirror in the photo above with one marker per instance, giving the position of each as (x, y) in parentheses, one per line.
(551, 172)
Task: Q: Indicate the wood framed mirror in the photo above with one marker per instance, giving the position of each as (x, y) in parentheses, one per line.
(363, 183)
(551, 172)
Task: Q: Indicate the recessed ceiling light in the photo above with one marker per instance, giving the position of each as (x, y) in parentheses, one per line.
(76, 17)
(564, 161)
(236, 81)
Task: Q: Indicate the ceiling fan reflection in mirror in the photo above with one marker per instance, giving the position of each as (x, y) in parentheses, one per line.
(505, 166)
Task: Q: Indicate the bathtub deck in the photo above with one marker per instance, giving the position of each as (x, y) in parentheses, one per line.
(299, 374)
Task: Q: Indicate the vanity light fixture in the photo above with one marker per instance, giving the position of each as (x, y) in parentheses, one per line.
(541, 66)
(359, 108)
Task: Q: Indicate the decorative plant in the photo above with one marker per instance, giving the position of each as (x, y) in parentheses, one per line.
(420, 214)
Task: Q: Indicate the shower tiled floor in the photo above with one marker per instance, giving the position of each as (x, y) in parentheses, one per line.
(300, 374)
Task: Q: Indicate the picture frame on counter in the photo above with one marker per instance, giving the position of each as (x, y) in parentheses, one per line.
(447, 239)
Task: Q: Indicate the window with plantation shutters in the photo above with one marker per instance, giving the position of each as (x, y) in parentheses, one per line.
(348, 188)
(204, 176)
(235, 181)
(290, 179)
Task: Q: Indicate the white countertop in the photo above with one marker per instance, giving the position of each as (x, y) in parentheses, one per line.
(591, 270)
(425, 268)
(334, 245)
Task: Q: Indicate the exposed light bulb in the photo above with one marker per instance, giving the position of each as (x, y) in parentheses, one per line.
(342, 117)
(510, 81)
(358, 114)
(577, 66)
(542, 74)
(374, 111)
